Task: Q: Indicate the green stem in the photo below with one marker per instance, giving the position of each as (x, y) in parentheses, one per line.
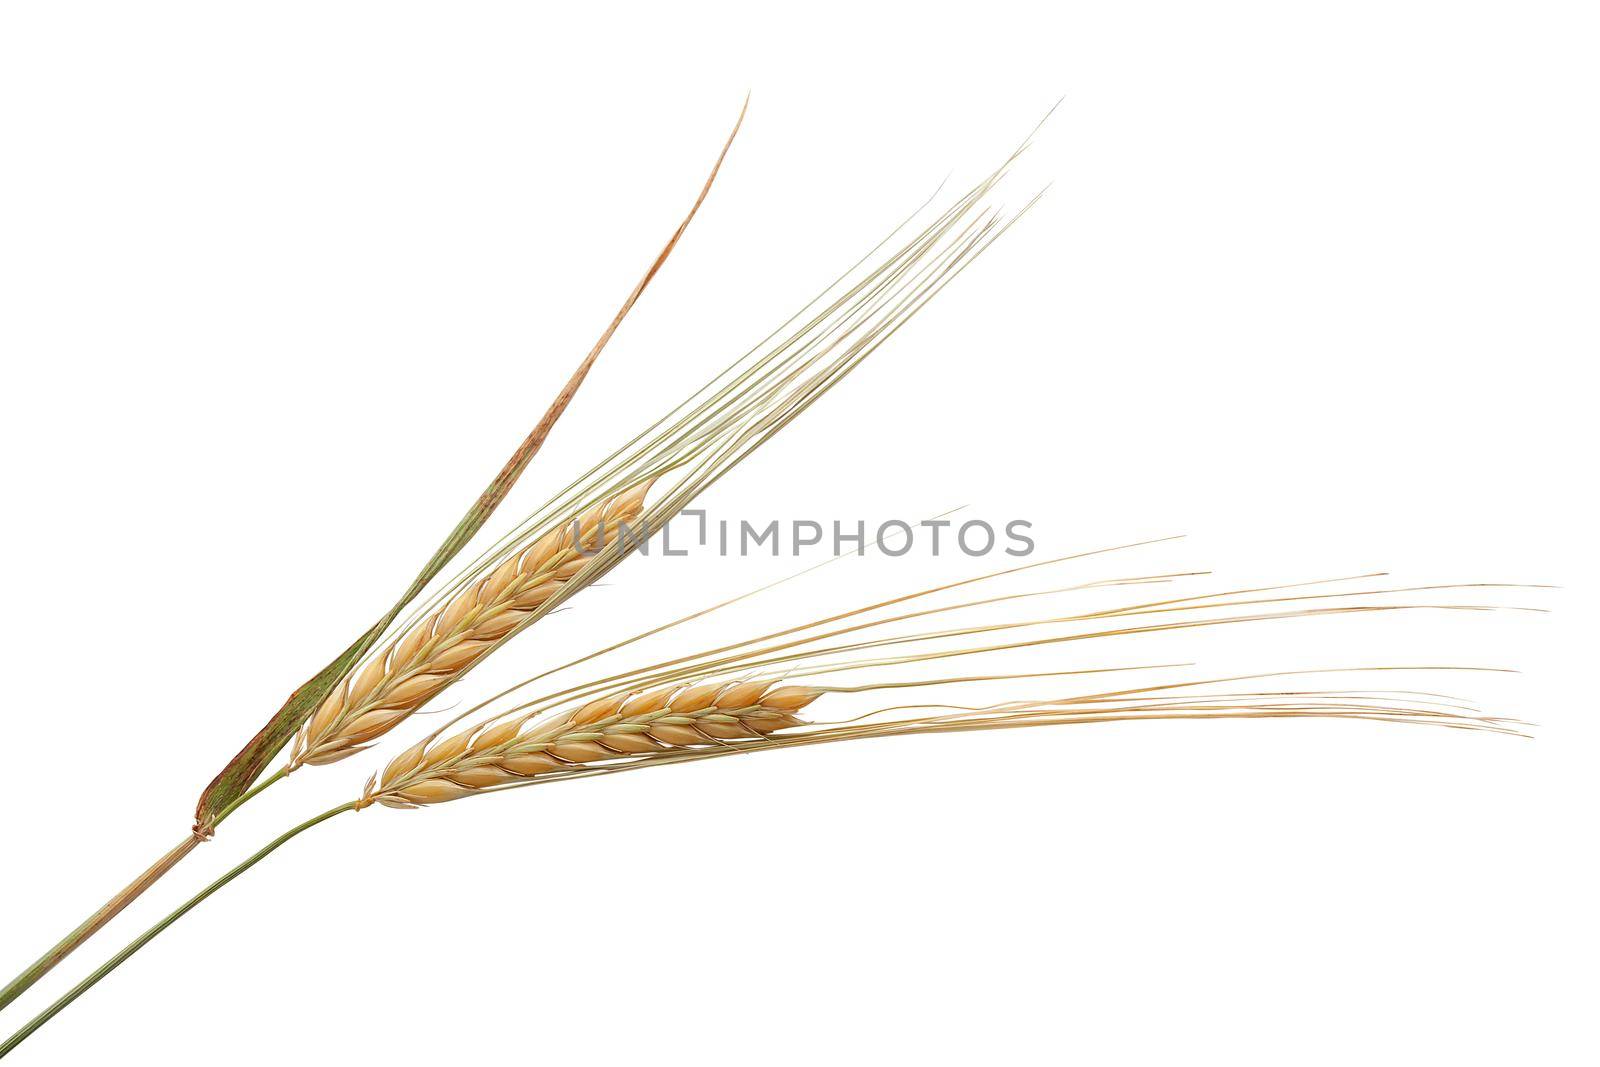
(260, 787)
(149, 935)
(90, 926)
(111, 908)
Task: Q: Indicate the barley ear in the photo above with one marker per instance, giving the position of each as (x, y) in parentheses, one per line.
(650, 722)
(442, 646)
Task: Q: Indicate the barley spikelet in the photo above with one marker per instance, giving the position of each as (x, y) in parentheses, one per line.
(1180, 701)
(666, 719)
(443, 645)
(674, 724)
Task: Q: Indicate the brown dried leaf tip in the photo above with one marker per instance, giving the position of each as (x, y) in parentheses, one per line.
(615, 727)
(444, 645)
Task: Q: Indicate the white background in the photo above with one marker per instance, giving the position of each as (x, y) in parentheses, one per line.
(280, 285)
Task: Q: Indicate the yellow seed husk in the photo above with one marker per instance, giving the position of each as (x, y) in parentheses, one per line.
(611, 728)
(419, 664)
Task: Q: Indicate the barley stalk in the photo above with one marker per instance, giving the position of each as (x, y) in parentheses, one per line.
(706, 706)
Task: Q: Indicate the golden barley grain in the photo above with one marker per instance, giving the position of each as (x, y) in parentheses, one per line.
(619, 726)
(442, 646)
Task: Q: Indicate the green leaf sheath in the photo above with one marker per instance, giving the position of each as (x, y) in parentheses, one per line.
(242, 771)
